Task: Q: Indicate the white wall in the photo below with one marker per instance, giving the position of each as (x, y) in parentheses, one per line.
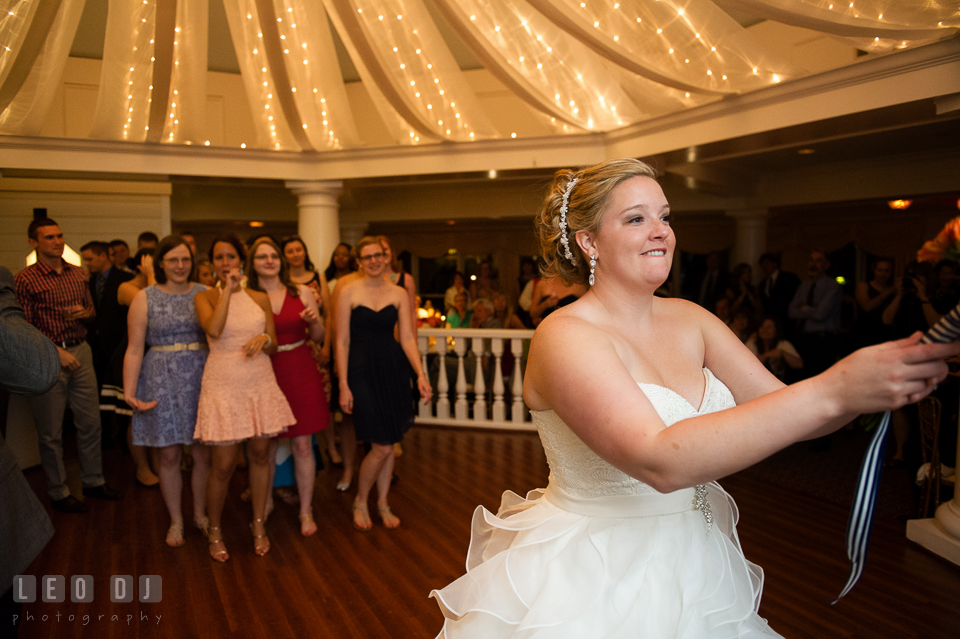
(85, 210)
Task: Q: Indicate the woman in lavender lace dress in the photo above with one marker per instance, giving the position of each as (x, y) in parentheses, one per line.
(641, 403)
(163, 386)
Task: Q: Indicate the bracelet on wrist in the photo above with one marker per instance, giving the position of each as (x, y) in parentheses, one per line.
(269, 340)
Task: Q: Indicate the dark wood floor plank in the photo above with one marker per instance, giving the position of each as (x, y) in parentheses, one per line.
(345, 584)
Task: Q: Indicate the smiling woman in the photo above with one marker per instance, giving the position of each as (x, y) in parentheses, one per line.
(636, 401)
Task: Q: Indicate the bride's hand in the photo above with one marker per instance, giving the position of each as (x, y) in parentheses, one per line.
(888, 376)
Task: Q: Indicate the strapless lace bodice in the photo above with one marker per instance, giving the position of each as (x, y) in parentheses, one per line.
(581, 473)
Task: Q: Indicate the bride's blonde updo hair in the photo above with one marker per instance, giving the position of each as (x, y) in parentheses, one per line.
(585, 206)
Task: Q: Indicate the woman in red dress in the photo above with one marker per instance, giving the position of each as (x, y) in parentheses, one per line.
(297, 319)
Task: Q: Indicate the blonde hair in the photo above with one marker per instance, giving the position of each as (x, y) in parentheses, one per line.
(585, 208)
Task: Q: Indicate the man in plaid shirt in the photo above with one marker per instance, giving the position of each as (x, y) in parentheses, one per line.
(56, 299)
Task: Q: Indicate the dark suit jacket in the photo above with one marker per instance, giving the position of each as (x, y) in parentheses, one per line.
(30, 365)
(110, 325)
(777, 303)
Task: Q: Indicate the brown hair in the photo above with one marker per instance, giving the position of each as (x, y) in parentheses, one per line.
(253, 278)
(364, 242)
(166, 245)
(585, 209)
(395, 263)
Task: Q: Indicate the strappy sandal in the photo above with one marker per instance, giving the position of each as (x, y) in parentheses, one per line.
(386, 512)
(220, 556)
(261, 543)
(175, 535)
(203, 525)
(307, 526)
(365, 512)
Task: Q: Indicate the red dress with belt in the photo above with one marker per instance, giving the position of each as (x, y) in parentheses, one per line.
(297, 373)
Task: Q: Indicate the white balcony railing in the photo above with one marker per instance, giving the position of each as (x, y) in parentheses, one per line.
(484, 383)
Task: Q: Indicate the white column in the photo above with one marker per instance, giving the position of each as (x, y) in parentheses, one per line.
(750, 241)
(941, 534)
(319, 219)
(353, 232)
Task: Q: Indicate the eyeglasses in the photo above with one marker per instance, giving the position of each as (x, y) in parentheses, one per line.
(173, 261)
(372, 256)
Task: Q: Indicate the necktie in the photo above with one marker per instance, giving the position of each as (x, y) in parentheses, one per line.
(100, 285)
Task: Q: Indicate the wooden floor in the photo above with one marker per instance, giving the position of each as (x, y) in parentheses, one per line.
(343, 583)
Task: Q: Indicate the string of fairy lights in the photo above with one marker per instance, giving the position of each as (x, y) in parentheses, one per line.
(691, 43)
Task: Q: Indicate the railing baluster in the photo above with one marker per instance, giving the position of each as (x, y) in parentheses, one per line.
(460, 408)
(479, 383)
(499, 407)
(443, 385)
(518, 412)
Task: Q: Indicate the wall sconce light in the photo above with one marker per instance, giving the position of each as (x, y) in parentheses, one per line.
(899, 205)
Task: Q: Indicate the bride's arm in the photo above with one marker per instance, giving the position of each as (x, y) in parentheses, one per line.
(574, 369)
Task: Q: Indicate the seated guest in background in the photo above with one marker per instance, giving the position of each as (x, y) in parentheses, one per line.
(56, 299)
(740, 325)
(721, 309)
(456, 287)
(777, 354)
(119, 254)
(163, 385)
(483, 315)
(873, 298)
(459, 317)
(148, 240)
(777, 288)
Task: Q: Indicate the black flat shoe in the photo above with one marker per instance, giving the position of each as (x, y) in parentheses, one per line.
(69, 504)
(102, 492)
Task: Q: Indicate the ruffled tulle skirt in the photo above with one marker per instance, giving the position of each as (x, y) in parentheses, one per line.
(536, 570)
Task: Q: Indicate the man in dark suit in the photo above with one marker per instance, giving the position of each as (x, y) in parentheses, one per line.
(110, 324)
(777, 288)
(713, 286)
(31, 365)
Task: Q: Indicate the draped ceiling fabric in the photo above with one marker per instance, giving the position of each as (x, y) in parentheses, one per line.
(591, 65)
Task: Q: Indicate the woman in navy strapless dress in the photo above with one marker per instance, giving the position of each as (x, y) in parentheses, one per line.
(376, 373)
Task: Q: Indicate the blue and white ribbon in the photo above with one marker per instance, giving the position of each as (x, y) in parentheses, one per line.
(865, 498)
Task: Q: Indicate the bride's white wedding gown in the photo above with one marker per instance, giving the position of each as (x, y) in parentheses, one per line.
(600, 554)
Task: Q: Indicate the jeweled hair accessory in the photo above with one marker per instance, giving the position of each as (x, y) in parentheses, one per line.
(563, 222)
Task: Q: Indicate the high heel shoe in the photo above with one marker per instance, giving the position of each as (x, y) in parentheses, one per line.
(220, 556)
(307, 526)
(261, 543)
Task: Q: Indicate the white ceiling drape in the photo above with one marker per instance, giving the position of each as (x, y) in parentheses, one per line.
(588, 65)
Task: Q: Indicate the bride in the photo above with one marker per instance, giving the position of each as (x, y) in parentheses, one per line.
(641, 403)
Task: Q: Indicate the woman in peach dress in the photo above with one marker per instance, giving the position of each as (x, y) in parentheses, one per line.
(239, 397)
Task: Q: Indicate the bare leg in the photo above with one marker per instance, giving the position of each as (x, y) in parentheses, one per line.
(139, 453)
(272, 461)
(383, 487)
(348, 443)
(153, 454)
(198, 484)
(259, 469)
(224, 459)
(330, 436)
(171, 486)
(306, 472)
(370, 470)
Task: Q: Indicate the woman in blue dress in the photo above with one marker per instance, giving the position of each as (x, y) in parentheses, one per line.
(163, 385)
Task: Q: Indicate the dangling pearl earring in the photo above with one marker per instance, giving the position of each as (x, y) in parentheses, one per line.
(593, 265)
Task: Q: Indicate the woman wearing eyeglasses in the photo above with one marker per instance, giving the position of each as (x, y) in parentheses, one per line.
(375, 373)
(163, 386)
